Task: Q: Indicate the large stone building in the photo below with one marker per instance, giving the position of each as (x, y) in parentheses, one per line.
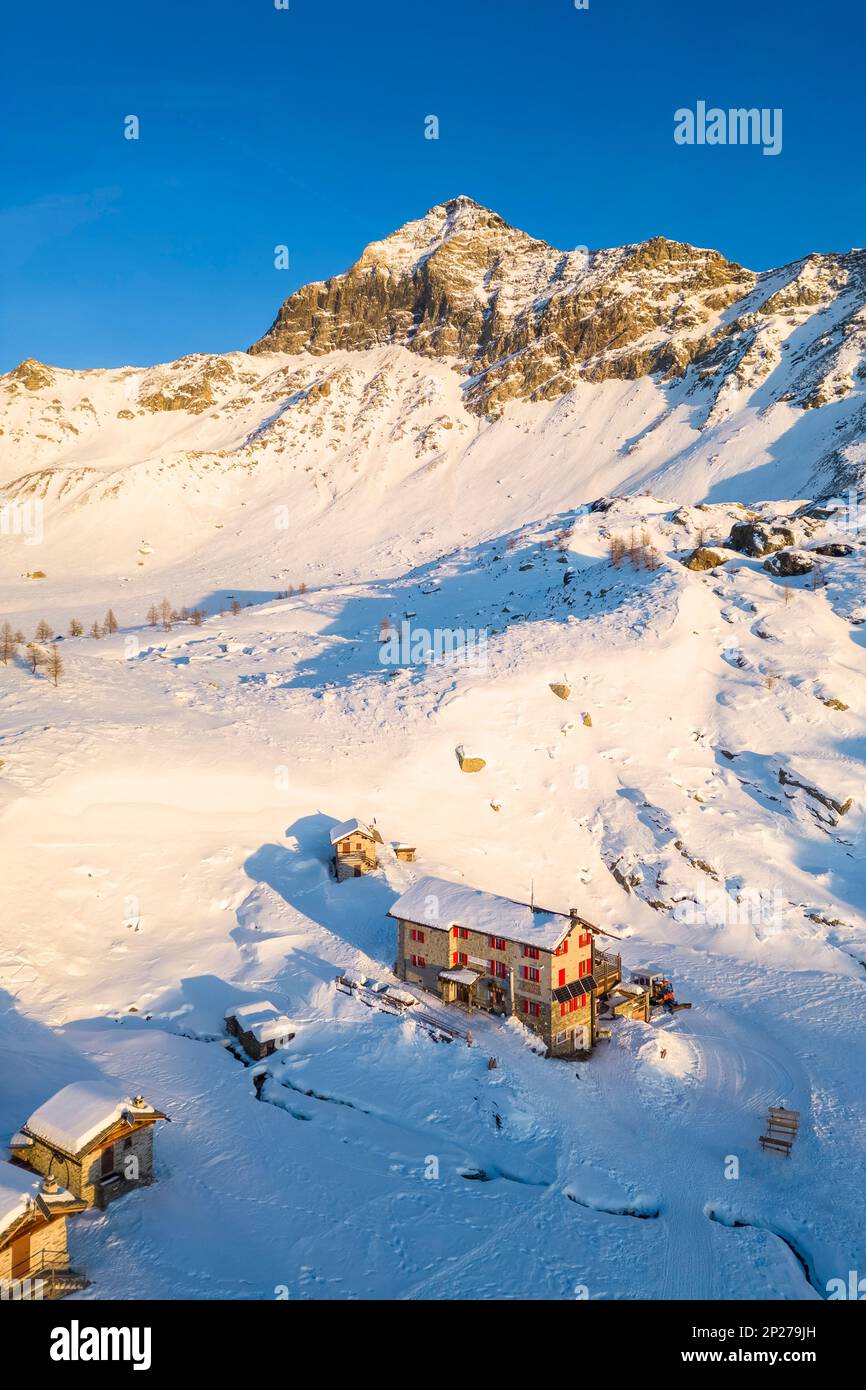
(481, 950)
(92, 1140)
(34, 1257)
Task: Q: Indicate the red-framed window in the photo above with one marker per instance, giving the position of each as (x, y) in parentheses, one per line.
(420, 962)
(530, 1008)
(498, 969)
(571, 1006)
(562, 976)
(531, 952)
(459, 958)
(497, 943)
(531, 972)
(417, 935)
(583, 967)
(462, 932)
(562, 948)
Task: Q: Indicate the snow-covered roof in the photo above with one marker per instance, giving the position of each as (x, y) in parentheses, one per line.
(22, 1191)
(435, 902)
(461, 975)
(270, 1028)
(18, 1190)
(262, 1018)
(350, 827)
(79, 1113)
(245, 1013)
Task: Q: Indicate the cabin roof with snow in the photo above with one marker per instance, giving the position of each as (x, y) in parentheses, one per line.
(23, 1193)
(18, 1189)
(80, 1114)
(262, 1019)
(350, 827)
(436, 902)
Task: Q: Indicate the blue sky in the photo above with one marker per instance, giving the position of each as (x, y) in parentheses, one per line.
(305, 127)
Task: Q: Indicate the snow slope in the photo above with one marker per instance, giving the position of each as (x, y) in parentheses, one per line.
(167, 809)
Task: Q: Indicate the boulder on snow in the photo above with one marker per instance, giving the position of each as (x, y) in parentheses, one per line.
(561, 689)
(587, 719)
(469, 762)
(788, 564)
(704, 559)
(837, 550)
(756, 538)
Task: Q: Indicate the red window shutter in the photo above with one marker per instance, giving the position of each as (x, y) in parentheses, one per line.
(562, 1011)
(453, 957)
(562, 977)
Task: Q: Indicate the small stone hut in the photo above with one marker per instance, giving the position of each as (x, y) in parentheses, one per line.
(93, 1140)
(259, 1027)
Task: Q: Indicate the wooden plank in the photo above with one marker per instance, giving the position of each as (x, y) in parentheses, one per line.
(781, 1145)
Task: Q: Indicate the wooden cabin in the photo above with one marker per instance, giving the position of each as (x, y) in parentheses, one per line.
(34, 1256)
(93, 1140)
(405, 853)
(260, 1028)
(480, 950)
(354, 845)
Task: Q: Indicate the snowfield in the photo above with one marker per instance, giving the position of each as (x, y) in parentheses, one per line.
(166, 818)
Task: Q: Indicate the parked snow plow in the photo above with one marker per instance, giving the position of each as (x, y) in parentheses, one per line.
(661, 991)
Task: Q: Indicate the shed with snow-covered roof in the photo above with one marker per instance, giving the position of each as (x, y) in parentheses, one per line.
(34, 1256)
(259, 1027)
(354, 845)
(92, 1139)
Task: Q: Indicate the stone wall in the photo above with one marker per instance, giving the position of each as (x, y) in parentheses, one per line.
(82, 1175)
(47, 1248)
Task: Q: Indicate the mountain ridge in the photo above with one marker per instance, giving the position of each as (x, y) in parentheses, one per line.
(461, 351)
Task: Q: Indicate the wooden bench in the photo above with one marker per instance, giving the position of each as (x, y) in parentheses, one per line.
(782, 1128)
(769, 1141)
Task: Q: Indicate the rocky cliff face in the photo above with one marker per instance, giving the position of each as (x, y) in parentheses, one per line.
(656, 366)
(522, 320)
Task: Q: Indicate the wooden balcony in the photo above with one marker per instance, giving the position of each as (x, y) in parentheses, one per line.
(45, 1279)
(606, 970)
